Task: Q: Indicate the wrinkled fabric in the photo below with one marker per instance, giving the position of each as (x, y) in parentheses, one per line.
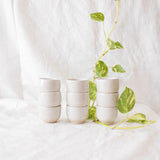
(23, 136)
(57, 39)
(10, 73)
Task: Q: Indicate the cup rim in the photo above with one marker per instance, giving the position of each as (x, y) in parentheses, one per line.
(50, 92)
(76, 107)
(50, 107)
(108, 93)
(113, 107)
(108, 78)
(77, 80)
(49, 79)
(77, 93)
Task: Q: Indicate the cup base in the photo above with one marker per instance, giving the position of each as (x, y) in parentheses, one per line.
(77, 115)
(77, 122)
(107, 122)
(49, 121)
(50, 114)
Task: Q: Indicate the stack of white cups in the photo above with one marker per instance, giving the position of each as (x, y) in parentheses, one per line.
(107, 99)
(77, 98)
(49, 100)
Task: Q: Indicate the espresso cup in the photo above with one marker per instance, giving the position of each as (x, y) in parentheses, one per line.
(77, 114)
(50, 114)
(48, 99)
(77, 99)
(107, 99)
(106, 115)
(77, 85)
(107, 85)
(49, 85)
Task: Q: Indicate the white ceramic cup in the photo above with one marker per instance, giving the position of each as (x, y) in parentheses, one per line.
(50, 114)
(107, 99)
(77, 114)
(107, 85)
(77, 85)
(77, 99)
(106, 115)
(49, 99)
(49, 85)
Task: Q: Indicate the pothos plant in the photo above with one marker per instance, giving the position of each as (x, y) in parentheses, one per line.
(126, 101)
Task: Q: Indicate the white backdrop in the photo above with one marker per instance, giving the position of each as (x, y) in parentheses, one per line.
(57, 39)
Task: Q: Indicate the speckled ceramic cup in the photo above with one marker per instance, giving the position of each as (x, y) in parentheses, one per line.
(77, 85)
(107, 99)
(77, 99)
(107, 85)
(49, 85)
(106, 115)
(48, 99)
(50, 114)
(77, 114)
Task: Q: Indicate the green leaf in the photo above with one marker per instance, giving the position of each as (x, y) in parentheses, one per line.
(92, 90)
(118, 68)
(111, 44)
(114, 45)
(92, 113)
(98, 16)
(101, 69)
(126, 101)
(118, 45)
(138, 117)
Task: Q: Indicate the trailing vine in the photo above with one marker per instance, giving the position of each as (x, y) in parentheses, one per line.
(126, 101)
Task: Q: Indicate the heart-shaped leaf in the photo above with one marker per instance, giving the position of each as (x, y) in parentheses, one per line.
(138, 117)
(101, 69)
(92, 113)
(118, 45)
(114, 45)
(118, 68)
(111, 44)
(92, 90)
(98, 16)
(126, 101)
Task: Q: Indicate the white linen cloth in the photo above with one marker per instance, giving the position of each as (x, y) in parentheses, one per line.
(57, 39)
(10, 74)
(23, 136)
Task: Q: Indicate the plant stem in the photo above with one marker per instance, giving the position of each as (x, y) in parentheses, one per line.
(104, 31)
(104, 52)
(103, 124)
(89, 102)
(151, 122)
(117, 13)
(94, 77)
(120, 122)
(93, 102)
(113, 127)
